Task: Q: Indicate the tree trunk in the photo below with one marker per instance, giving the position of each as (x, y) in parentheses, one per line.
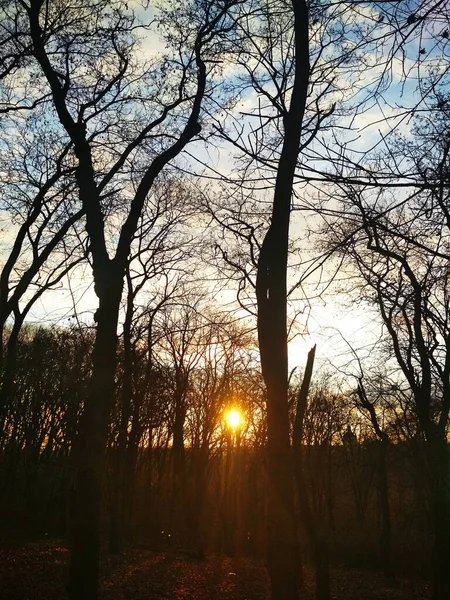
(282, 533)
(440, 507)
(316, 528)
(118, 526)
(89, 451)
(383, 488)
(197, 517)
(382, 478)
(322, 560)
(130, 465)
(271, 293)
(8, 368)
(224, 516)
(178, 517)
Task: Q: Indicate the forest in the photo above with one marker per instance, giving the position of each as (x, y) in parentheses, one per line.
(224, 299)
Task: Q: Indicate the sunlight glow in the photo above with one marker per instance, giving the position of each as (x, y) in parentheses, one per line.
(234, 418)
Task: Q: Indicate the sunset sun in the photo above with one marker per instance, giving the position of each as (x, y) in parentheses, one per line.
(234, 418)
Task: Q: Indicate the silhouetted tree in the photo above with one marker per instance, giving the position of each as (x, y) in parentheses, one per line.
(90, 67)
(399, 250)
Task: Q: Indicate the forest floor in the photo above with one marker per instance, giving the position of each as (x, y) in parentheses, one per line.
(36, 571)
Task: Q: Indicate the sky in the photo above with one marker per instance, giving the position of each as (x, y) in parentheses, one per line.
(333, 322)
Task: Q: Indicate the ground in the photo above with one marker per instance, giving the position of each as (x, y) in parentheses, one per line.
(36, 571)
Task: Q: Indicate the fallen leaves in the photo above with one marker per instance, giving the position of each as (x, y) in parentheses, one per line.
(37, 571)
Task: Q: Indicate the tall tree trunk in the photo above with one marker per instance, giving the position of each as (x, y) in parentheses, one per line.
(117, 529)
(382, 479)
(440, 506)
(9, 368)
(226, 534)
(89, 450)
(178, 517)
(200, 485)
(322, 564)
(271, 292)
(383, 488)
(118, 525)
(316, 528)
(130, 465)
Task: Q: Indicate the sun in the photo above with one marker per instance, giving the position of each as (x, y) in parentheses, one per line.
(234, 418)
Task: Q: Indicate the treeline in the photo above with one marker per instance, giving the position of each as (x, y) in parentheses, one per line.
(206, 491)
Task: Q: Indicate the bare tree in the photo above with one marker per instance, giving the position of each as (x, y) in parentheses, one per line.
(43, 242)
(158, 259)
(317, 425)
(90, 67)
(399, 250)
(272, 330)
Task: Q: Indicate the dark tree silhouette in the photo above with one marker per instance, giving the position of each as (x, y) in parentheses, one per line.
(88, 64)
(400, 253)
(271, 294)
